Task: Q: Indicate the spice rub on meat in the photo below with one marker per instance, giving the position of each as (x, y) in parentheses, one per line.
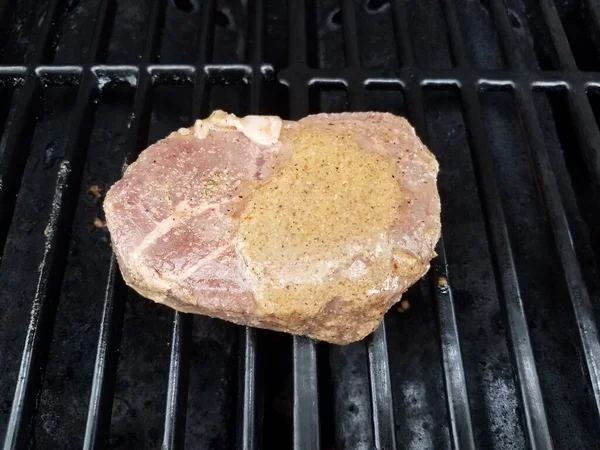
(314, 227)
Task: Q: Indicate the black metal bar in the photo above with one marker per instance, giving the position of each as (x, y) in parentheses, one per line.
(204, 54)
(457, 46)
(50, 274)
(177, 389)
(14, 156)
(542, 168)
(350, 34)
(165, 74)
(249, 414)
(593, 16)
(297, 58)
(384, 430)
(510, 46)
(105, 369)
(249, 401)
(531, 395)
(588, 135)
(256, 55)
(306, 401)
(582, 307)
(105, 364)
(355, 83)
(529, 386)
(298, 37)
(587, 132)
(456, 388)
(454, 375)
(384, 427)
(99, 412)
(175, 415)
(402, 32)
(557, 34)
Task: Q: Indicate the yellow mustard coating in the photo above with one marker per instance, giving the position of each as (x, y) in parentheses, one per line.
(331, 204)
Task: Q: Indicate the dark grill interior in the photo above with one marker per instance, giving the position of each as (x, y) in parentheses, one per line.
(506, 93)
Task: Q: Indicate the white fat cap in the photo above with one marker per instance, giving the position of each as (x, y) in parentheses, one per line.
(263, 130)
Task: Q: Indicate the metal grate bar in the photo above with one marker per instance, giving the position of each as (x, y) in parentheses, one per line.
(531, 395)
(297, 21)
(402, 33)
(249, 432)
(582, 306)
(169, 74)
(98, 417)
(457, 46)
(382, 401)
(257, 55)
(306, 398)
(306, 401)
(384, 430)
(50, 273)
(174, 432)
(593, 15)
(529, 385)
(293, 75)
(99, 412)
(248, 404)
(15, 155)
(455, 383)
(177, 390)
(204, 54)
(454, 374)
(557, 34)
(456, 388)
(354, 82)
(588, 135)
(587, 132)
(350, 34)
(542, 168)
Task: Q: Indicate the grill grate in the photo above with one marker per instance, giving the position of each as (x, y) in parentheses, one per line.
(519, 78)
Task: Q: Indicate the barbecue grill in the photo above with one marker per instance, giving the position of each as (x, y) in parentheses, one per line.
(496, 348)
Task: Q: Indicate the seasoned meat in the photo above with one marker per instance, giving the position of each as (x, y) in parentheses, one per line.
(314, 227)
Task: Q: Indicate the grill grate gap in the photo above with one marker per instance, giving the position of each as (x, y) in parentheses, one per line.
(374, 19)
(572, 271)
(70, 369)
(550, 321)
(211, 398)
(580, 201)
(102, 390)
(454, 376)
(578, 32)
(231, 38)
(325, 34)
(486, 355)
(326, 396)
(278, 389)
(350, 399)
(24, 247)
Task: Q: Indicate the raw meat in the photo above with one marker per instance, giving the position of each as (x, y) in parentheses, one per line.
(313, 227)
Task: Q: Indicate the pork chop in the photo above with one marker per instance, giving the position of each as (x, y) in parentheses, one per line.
(314, 227)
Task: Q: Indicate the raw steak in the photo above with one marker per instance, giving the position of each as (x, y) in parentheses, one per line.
(313, 227)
